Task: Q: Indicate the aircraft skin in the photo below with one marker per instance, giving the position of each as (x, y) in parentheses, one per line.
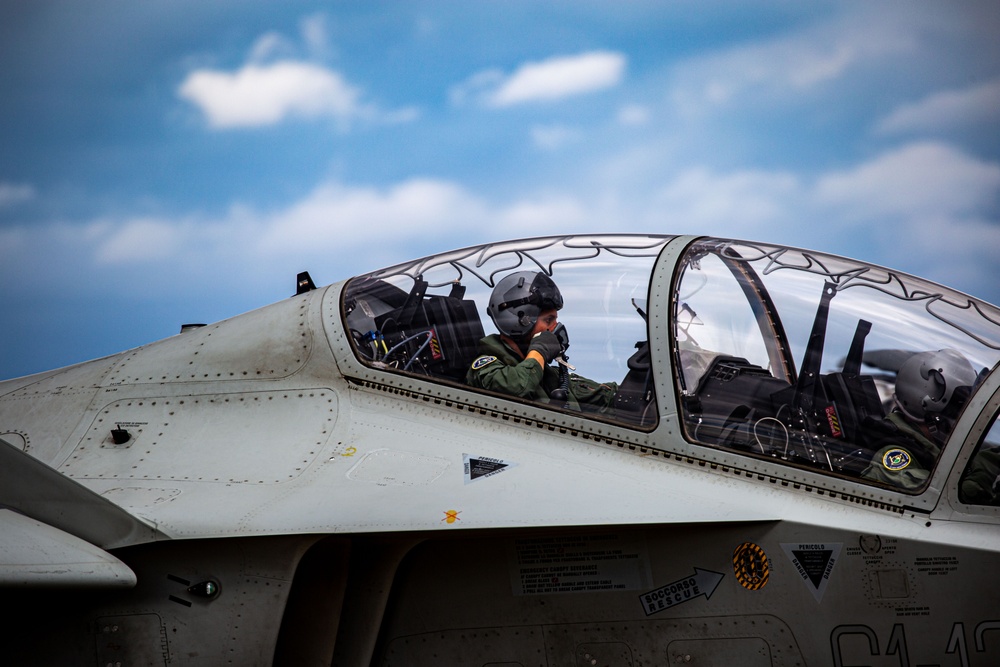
(286, 488)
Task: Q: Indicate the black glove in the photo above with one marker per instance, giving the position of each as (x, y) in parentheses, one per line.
(562, 335)
(546, 344)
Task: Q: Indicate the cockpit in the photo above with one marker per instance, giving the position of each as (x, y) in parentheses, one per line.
(802, 358)
(430, 317)
(825, 362)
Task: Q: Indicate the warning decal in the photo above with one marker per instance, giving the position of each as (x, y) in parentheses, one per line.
(751, 566)
(583, 564)
(703, 582)
(814, 563)
(479, 467)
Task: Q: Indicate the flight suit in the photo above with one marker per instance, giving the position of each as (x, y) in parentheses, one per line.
(905, 455)
(980, 483)
(499, 368)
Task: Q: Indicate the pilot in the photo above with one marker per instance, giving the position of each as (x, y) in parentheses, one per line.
(931, 388)
(517, 361)
(980, 483)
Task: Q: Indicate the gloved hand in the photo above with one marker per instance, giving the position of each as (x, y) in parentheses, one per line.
(546, 344)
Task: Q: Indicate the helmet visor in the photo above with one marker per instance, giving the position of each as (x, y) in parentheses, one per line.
(545, 294)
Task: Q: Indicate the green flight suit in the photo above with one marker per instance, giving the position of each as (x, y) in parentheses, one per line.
(905, 455)
(499, 368)
(980, 483)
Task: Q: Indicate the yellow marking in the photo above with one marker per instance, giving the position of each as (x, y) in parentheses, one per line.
(750, 566)
(451, 516)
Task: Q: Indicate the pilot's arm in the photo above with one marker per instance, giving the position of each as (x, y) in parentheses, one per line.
(981, 482)
(600, 396)
(521, 379)
(497, 368)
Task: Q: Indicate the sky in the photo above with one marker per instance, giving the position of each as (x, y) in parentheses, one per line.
(174, 161)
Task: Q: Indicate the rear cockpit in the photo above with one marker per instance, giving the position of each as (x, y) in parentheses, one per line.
(819, 361)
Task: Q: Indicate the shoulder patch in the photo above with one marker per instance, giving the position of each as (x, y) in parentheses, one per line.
(483, 361)
(896, 458)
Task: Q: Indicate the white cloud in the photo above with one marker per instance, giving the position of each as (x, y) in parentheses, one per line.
(552, 137)
(335, 218)
(259, 95)
(959, 251)
(917, 180)
(633, 114)
(425, 26)
(741, 203)
(142, 240)
(271, 45)
(975, 105)
(11, 194)
(314, 42)
(926, 208)
(545, 81)
(315, 34)
(913, 187)
(548, 215)
(333, 215)
(396, 117)
(475, 87)
(921, 186)
(335, 221)
(788, 66)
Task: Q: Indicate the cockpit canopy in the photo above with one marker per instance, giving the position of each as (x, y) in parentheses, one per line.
(803, 357)
(796, 356)
(430, 316)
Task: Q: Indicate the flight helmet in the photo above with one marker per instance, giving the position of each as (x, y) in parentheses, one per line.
(518, 300)
(927, 380)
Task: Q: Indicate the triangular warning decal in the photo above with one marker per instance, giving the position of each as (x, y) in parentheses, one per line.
(814, 563)
(479, 467)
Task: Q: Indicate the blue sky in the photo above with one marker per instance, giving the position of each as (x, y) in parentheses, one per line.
(164, 162)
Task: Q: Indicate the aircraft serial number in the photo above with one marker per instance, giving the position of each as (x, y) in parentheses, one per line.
(957, 643)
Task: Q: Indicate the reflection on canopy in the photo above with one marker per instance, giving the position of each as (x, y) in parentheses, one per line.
(791, 355)
(796, 356)
(427, 316)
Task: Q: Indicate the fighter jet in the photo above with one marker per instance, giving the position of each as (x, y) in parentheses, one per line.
(574, 450)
